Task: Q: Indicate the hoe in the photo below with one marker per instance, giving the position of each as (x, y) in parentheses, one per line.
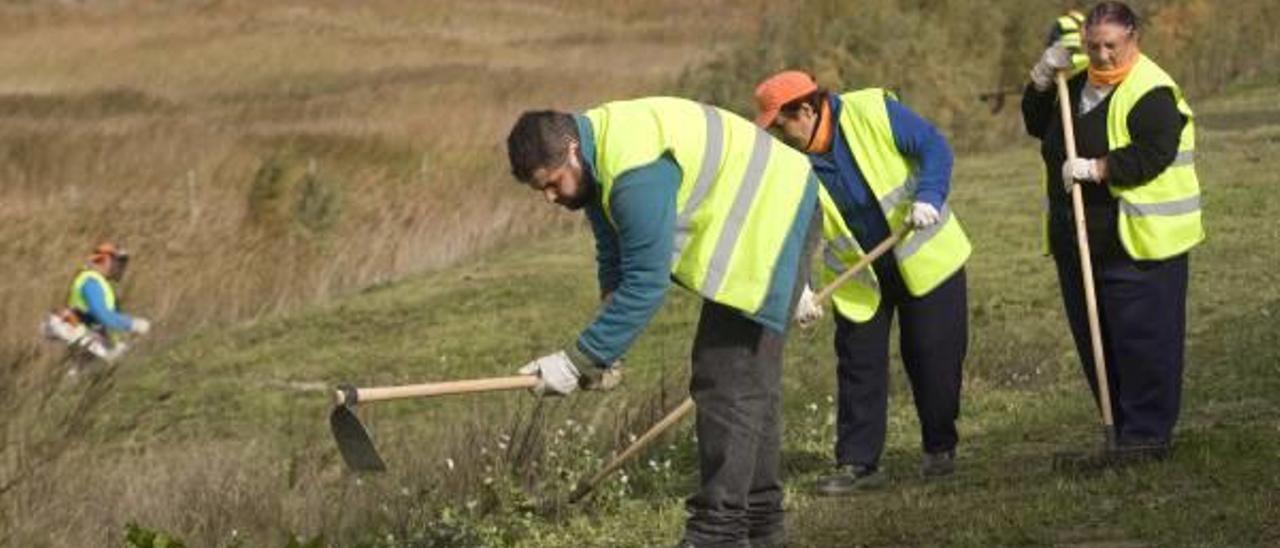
(360, 454)
(1079, 461)
(353, 439)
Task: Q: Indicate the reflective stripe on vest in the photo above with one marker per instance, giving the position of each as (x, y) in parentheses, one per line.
(859, 298)
(75, 298)
(739, 194)
(1160, 218)
(711, 154)
(927, 257)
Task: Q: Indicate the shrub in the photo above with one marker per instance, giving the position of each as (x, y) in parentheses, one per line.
(941, 56)
(287, 191)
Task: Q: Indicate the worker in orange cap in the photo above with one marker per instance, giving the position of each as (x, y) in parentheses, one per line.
(884, 170)
(92, 321)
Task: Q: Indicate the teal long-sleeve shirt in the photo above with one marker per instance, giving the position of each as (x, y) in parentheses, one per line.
(634, 253)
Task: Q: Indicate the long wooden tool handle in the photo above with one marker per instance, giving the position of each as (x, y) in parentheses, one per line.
(1086, 265)
(867, 259)
(643, 441)
(362, 395)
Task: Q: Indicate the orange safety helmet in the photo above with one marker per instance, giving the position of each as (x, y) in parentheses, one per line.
(778, 90)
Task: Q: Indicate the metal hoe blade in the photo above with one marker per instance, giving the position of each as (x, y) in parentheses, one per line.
(354, 442)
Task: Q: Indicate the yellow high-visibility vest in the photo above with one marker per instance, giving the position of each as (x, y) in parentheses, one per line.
(740, 193)
(927, 257)
(1160, 218)
(75, 299)
(1070, 37)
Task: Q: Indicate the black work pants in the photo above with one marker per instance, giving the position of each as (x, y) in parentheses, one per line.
(934, 338)
(1142, 310)
(736, 384)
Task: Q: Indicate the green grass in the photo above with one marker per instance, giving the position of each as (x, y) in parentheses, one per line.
(252, 399)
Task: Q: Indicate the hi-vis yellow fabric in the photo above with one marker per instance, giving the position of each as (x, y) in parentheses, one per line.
(741, 190)
(1161, 218)
(1070, 36)
(926, 257)
(75, 299)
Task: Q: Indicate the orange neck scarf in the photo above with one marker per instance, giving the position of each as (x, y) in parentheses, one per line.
(1112, 77)
(820, 142)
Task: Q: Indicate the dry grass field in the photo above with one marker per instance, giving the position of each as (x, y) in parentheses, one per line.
(315, 192)
(257, 155)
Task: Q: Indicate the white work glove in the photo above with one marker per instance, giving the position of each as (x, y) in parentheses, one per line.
(556, 372)
(1078, 169)
(140, 326)
(1055, 58)
(924, 215)
(807, 309)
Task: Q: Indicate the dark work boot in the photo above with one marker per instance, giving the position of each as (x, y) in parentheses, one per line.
(1139, 451)
(940, 464)
(849, 480)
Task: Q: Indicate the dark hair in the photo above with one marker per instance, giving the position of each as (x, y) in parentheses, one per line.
(539, 139)
(1117, 13)
(814, 100)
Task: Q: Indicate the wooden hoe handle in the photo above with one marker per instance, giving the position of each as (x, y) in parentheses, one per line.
(867, 259)
(630, 452)
(349, 395)
(1086, 266)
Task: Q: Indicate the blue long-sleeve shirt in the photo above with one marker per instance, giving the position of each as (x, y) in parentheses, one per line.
(915, 138)
(633, 255)
(99, 313)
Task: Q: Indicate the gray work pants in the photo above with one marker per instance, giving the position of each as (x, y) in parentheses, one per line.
(737, 386)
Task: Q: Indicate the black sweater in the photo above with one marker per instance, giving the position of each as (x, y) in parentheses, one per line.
(1155, 126)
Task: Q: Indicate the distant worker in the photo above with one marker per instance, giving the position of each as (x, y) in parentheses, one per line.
(883, 169)
(686, 192)
(92, 321)
(1135, 137)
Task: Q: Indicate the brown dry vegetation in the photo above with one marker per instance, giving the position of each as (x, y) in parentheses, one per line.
(260, 156)
(148, 123)
(942, 55)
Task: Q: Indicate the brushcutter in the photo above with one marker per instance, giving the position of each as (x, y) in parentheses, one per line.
(353, 438)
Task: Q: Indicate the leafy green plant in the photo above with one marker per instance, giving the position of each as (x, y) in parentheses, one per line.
(137, 536)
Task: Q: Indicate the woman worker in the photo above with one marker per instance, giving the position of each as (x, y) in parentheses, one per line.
(1134, 134)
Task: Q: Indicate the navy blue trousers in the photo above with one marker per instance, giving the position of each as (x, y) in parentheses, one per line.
(1142, 309)
(934, 337)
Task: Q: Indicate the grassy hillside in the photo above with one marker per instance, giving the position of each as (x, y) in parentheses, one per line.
(221, 437)
(256, 156)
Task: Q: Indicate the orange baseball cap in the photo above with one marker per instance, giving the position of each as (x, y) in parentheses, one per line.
(780, 89)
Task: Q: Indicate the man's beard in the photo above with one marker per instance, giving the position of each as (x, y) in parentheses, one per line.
(585, 197)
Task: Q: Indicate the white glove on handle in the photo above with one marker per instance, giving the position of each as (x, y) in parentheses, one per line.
(141, 326)
(924, 215)
(1055, 58)
(558, 375)
(807, 309)
(1078, 169)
